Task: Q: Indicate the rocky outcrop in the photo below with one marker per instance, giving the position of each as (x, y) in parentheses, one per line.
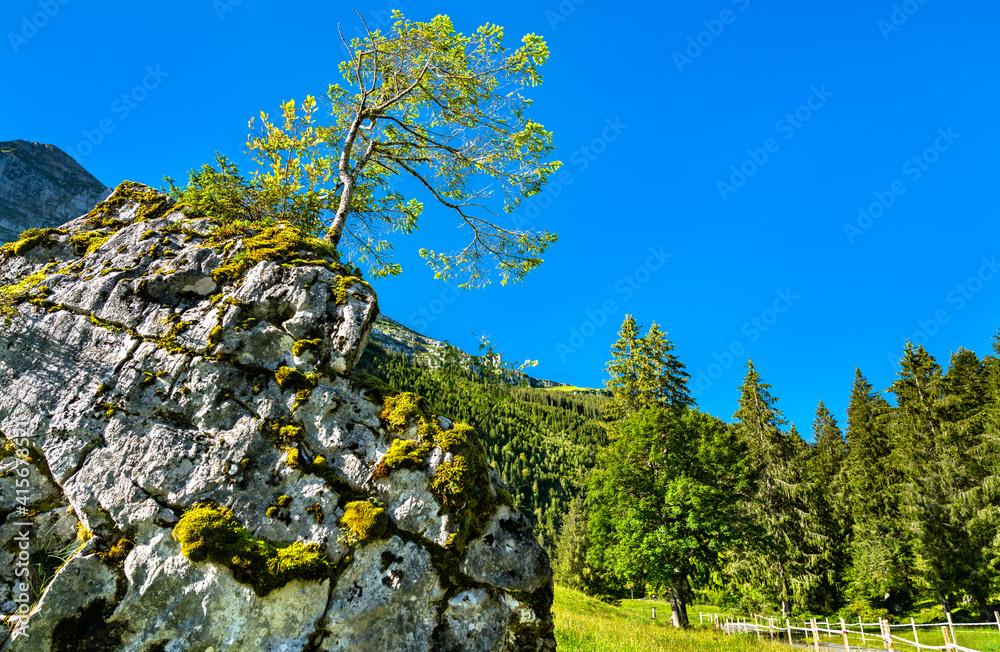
(191, 465)
(41, 186)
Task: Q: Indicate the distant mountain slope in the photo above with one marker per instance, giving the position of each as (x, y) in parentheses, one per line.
(42, 186)
(543, 442)
(421, 350)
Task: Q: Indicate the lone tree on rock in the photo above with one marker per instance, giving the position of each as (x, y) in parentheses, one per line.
(421, 101)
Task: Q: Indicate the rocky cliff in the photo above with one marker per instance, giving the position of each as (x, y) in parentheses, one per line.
(191, 465)
(41, 186)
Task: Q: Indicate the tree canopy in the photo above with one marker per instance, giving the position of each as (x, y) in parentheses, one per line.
(421, 101)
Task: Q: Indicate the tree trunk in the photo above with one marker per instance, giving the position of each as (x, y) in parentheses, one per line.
(349, 181)
(678, 604)
(340, 219)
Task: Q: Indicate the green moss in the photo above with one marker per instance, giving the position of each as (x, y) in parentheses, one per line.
(458, 435)
(279, 242)
(152, 205)
(88, 242)
(210, 533)
(402, 454)
(363, 521)
(271, 512)
(291, 433)
(341, 289)
(317, 512)
(284, 501)
(293, 459)
(28, 240)
(215, 336)
(406, 407)
(302, 346)
(289, 378)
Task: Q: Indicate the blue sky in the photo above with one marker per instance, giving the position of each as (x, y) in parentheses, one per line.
(806, 183)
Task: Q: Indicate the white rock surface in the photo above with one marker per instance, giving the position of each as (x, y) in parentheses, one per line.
(138, 384)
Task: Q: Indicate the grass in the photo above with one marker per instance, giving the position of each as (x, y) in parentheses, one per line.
(586, 624)
(979, 638)
(583, 623)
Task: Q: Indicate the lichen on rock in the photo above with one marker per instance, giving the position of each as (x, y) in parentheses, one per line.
(185, 396)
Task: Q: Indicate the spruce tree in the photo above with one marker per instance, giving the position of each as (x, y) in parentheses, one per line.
(644, 373)
(827, 477)
(881, 560)
(779, 565)
(944, 473)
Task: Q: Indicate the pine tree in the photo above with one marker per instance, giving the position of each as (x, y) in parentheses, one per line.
(570, 567)
(827, 477)
(881, 561)
(943, 473)
(778, 563)
(644, 373)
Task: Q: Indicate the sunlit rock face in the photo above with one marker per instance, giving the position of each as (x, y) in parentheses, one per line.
(153, 369)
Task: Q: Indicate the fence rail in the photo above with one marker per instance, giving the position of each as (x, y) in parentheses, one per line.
(811, 632)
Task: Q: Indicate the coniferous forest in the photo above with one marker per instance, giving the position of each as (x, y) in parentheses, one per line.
(896, 509)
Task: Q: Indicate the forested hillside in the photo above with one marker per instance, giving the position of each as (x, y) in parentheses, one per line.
(543, 442)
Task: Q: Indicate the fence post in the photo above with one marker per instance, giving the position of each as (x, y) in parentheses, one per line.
(861, 623)
(788, 624)
(843, 630)
(654, 613)
(887, 634)
(815, 635)
(756, 626)
(951, 626)
(916, 639)
(996, 614)
(947, 639)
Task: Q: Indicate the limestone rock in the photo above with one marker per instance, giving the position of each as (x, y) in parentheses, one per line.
(187, 399)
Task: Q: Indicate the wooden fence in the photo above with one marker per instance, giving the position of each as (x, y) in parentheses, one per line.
(878, 634)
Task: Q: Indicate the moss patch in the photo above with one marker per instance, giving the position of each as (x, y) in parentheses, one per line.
(289, 378)
(152, 205)
(363, 521)
(88, 242)
(28, 240)
(282, 241)
(402, 454)
(210, 533)
(304, 346)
